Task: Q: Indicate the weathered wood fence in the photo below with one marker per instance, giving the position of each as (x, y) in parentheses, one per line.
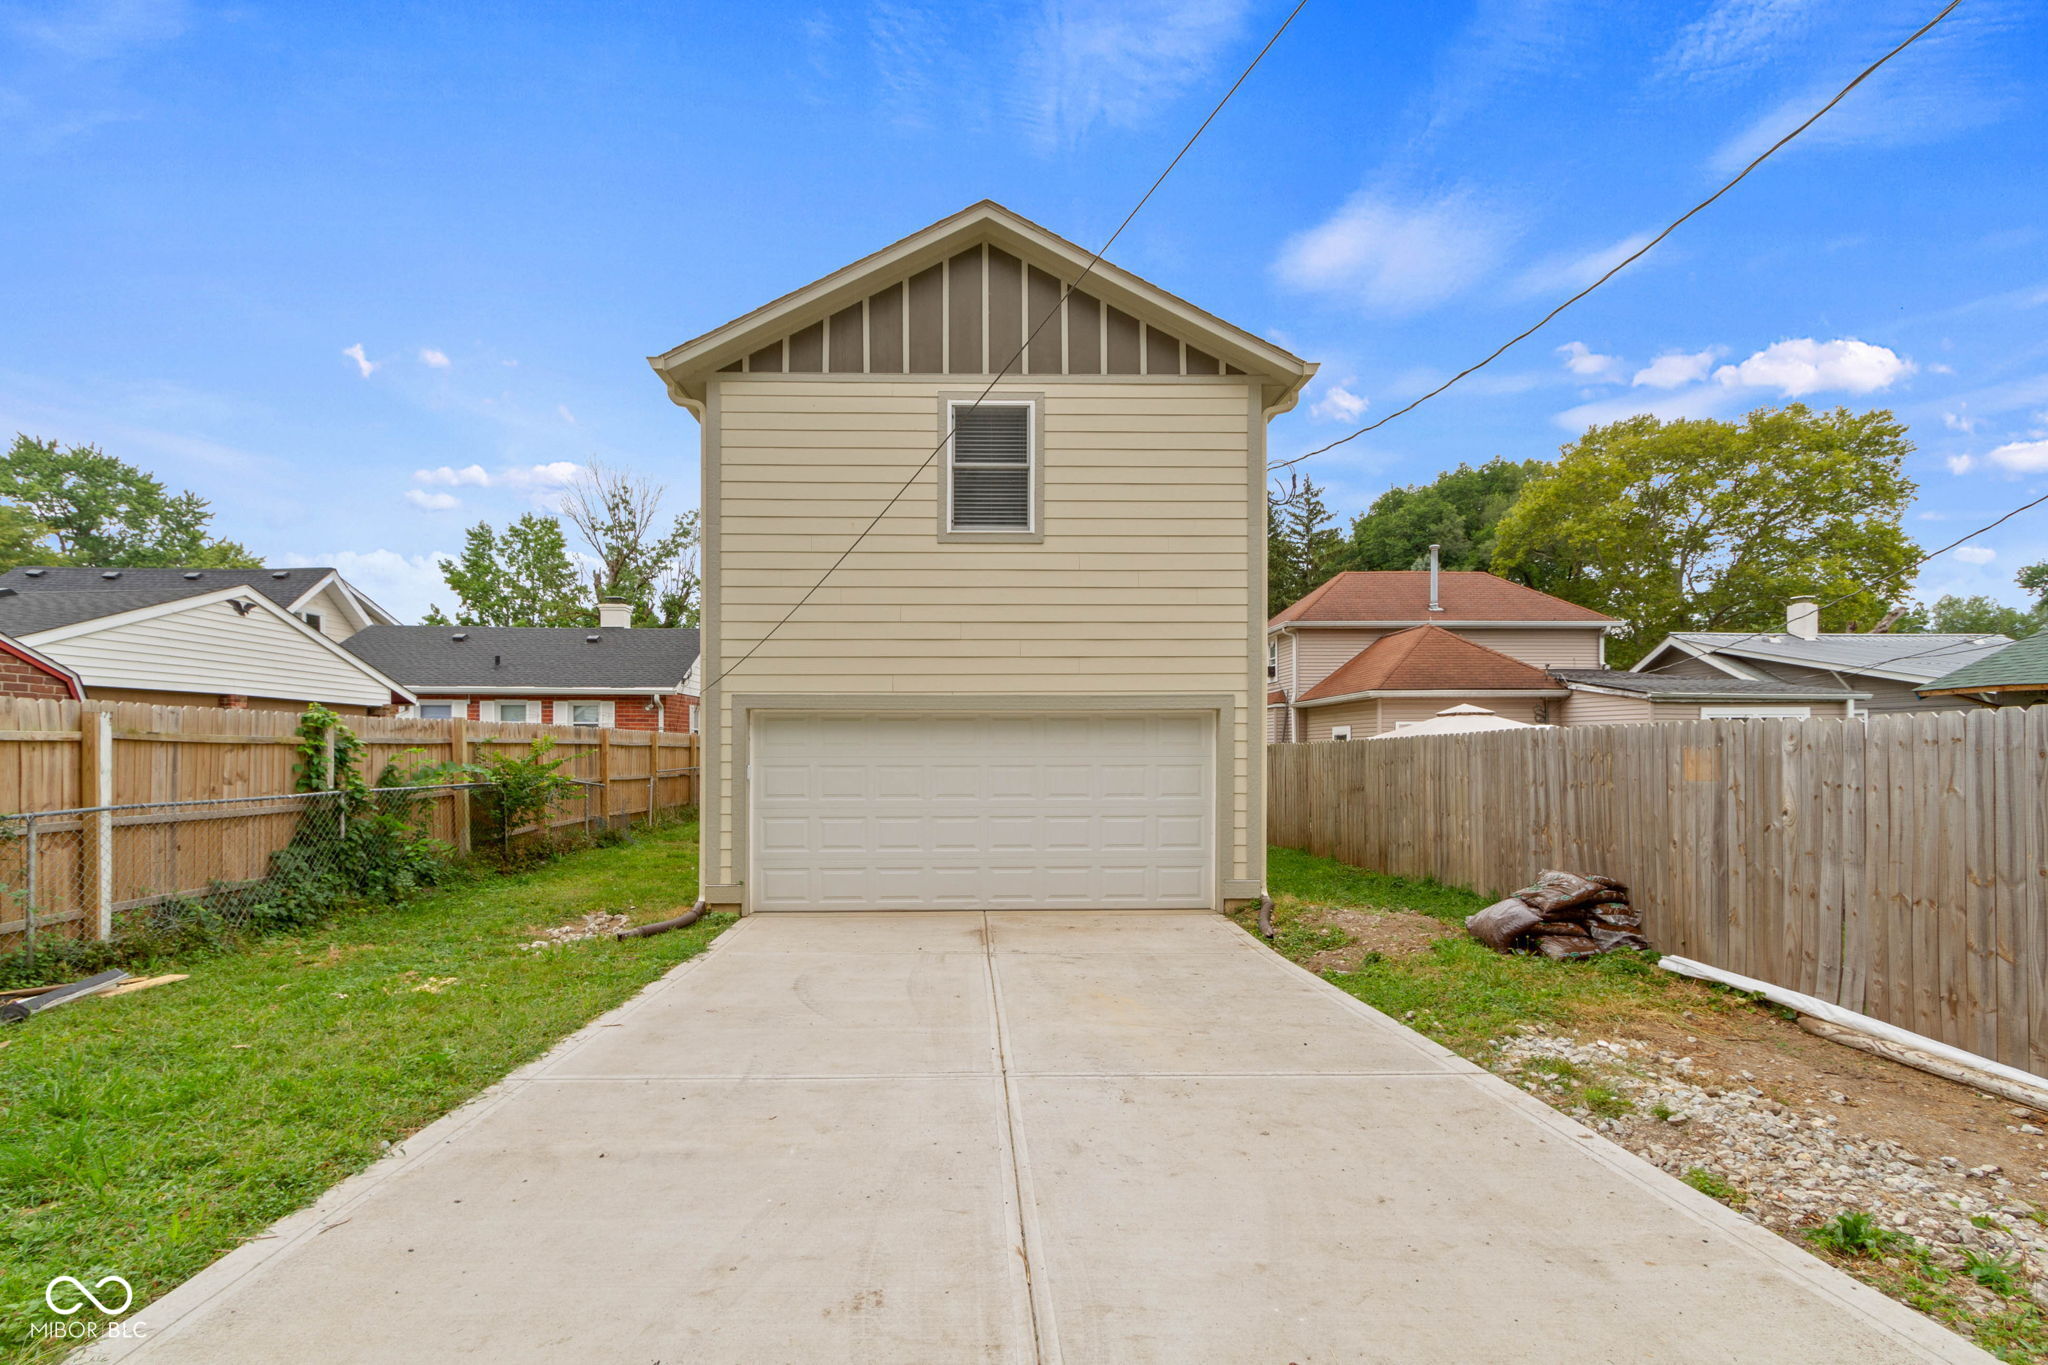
(66, 756)
(1897, 865)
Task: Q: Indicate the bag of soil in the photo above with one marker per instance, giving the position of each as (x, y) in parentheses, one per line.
(1565, 947)
(1609, 939)
(1558, 891)
(1609, 883)
(1500, 924)
(1614, 915)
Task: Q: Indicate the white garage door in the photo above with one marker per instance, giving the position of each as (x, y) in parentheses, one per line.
(929, 812)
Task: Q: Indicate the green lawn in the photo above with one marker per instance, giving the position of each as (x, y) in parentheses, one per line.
(146, 1135)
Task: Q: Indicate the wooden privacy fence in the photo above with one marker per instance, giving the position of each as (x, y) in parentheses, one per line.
(204, 797)
(1897, 866)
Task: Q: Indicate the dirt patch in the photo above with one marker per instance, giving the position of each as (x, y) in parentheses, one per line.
(1389, 933)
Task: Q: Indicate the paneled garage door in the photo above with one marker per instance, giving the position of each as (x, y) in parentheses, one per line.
(943, 812)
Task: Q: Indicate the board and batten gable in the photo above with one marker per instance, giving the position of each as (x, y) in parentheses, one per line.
(1140, 589)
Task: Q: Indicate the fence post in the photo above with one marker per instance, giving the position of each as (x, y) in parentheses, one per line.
(28, 910)
(604, 777)
(458, 754)
(653, 771)
(96, 788)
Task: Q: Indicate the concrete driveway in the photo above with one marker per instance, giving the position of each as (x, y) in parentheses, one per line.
(1015, 1137)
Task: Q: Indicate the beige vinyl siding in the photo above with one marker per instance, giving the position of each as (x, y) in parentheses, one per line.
(334, 621)
(1323, 652)
(1679, 665)
(1362, 716)
(1598, 708)
(1142, 584)
(1541, 648)
(1886, 694)
(210, 650)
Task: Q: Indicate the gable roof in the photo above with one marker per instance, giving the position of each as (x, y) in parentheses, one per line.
(2021, 666)
(532, 658)
(43, 663)
(1401, 597)
(685, 368)
(124, 589)
(1428, 659)
(1901, 658)
(1678, 687)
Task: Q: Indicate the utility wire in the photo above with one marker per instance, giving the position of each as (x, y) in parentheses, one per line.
(1000, 374)
(1633, 256)
(1893, 579)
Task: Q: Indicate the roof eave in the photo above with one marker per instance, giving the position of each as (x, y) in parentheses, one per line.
(1382, 693)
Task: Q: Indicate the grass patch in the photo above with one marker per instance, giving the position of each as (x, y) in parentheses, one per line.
(1853, 1232)
(1606, 1103)
(1714, 1187)
(147, 1135)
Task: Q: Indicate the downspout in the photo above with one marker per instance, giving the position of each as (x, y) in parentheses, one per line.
(1293, 683)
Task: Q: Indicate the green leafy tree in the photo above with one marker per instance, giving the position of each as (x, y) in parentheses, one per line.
(619, 517)
(23, 539)
(1980, 615)
(1711, 525)
(96, 509)
(524, 577)
(1457, 511)
(1302, 542)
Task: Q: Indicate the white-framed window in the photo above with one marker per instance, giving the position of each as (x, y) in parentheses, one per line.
(991, 467)
(585, 711)
(691, 724)
(311, 618)
(1340, 732)
(513, 712)
(440, 708)
(1272, 660)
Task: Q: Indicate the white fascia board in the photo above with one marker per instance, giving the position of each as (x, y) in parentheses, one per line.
(1711, 657)
(97, 624)
(1438, 693)
(443, 691)
(1708, 695)
(1602, 626)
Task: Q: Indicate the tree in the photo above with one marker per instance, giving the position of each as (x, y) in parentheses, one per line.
(1457, 511)
(522, 578)
(619, 517)
(1710, 525)
(1979, 615)
(1302, 544)
(23, 539)
(101, 510)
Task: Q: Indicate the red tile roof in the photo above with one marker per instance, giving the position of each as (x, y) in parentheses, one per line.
(1430, 659)
(1466, 595)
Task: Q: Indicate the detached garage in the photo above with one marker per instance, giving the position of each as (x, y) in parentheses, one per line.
(984, 812)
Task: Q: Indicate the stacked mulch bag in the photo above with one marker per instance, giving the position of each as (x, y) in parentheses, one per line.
(1562, 916)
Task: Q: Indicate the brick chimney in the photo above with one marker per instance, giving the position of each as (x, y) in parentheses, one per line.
(615, 612)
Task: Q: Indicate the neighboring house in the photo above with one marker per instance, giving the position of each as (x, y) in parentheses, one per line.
(191, 637)
(609, 676)
(2016, 675)
(1036, 684)
(322, 598)
(1883, 670)
(25, 672)
(1370, 651)
(1605, 696)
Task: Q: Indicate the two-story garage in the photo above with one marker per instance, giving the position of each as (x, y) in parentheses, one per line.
(974, 642)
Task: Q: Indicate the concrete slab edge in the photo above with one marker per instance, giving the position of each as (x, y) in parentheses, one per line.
(1883, 1312)
(188, 1301)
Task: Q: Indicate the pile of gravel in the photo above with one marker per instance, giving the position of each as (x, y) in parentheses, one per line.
(597, 924)
(1796, 1167)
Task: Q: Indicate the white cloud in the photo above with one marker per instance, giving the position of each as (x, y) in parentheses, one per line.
(1116, 62)
(1701, 401)
(1976, 554)
(1961, 464)
(1955, 421)
(567, 416)
(431, 502)
(450, 477)
(1735, 36)
(1802, 365)
(363, 362)
(1394, 258)
(2022, 457)
(401, 583)
(1584, 361)
(433, 358)
(1674, 369)
(556, 474)
(1568, 273)
(1340, 404)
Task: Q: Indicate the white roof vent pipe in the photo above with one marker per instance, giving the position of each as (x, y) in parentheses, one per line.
(614, 613)
(1802, 618)
(1436, 601)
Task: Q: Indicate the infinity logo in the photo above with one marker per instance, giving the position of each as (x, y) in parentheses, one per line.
(50, 1295)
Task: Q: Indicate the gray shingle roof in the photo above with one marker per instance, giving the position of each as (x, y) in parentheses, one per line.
(29, 612)
(282, 586)
(1913, 657)
(2023, 664)
(540, 657)
(1669, 687)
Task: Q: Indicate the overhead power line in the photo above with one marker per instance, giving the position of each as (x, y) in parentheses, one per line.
(1000, 374)
(1633, 256)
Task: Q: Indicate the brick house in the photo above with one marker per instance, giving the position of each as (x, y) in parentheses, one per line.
(609, 676)
(24, 672)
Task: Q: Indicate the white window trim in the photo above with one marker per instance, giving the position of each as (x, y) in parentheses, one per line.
(458, 707)
(1340, 732)
(1034, 455)
(607, 711)
(1756, 713)
(493, 709)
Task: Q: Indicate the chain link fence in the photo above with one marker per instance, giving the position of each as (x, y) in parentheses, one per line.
(171, 873)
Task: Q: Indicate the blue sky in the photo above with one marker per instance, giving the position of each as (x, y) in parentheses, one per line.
(364, 274)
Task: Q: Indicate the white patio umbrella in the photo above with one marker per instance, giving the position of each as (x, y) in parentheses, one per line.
(1464, 719)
